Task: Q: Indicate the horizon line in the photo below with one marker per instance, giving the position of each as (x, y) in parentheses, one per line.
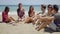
(40, 4)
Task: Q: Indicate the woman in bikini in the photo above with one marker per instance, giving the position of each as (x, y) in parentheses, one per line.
(31, 14)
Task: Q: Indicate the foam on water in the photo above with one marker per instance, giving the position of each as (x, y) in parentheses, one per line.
(13, 9)
(26, 12)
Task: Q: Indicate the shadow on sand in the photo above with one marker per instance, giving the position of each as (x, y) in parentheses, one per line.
(51, 30)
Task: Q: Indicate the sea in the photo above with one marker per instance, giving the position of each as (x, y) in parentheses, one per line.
(13, 9)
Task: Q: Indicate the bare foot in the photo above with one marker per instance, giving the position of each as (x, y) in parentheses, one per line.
(36, 28)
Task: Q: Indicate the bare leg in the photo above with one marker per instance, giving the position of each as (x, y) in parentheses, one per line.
(12, 19)
(8, 20)
(36, 19)
(27, 20)
(43, 25)
(38, 22)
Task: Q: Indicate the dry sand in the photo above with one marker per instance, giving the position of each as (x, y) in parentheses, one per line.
(20, 28)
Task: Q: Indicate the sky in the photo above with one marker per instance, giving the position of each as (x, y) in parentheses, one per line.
(29, 2)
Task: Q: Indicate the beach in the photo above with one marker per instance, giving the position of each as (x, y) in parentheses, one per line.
(12, 11)
(20, 28)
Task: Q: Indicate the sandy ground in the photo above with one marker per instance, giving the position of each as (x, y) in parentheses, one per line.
(20, 28)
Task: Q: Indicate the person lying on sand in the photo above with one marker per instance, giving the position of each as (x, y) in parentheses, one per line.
(20, 12)
(5, 17)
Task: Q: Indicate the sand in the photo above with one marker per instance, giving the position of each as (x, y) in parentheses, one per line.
(20, 28)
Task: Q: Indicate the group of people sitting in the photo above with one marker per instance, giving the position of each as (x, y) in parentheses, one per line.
(41, 20)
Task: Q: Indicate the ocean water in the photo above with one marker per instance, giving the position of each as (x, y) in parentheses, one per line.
(13, 8)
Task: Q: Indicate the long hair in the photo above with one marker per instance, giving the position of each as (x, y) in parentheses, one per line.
(30, 10)
(19, 5)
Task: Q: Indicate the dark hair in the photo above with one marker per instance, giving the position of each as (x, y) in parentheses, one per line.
(43, 6)
(6, 8)
(49, 6)
(19, 4)
(56, 7)
(30, 10)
